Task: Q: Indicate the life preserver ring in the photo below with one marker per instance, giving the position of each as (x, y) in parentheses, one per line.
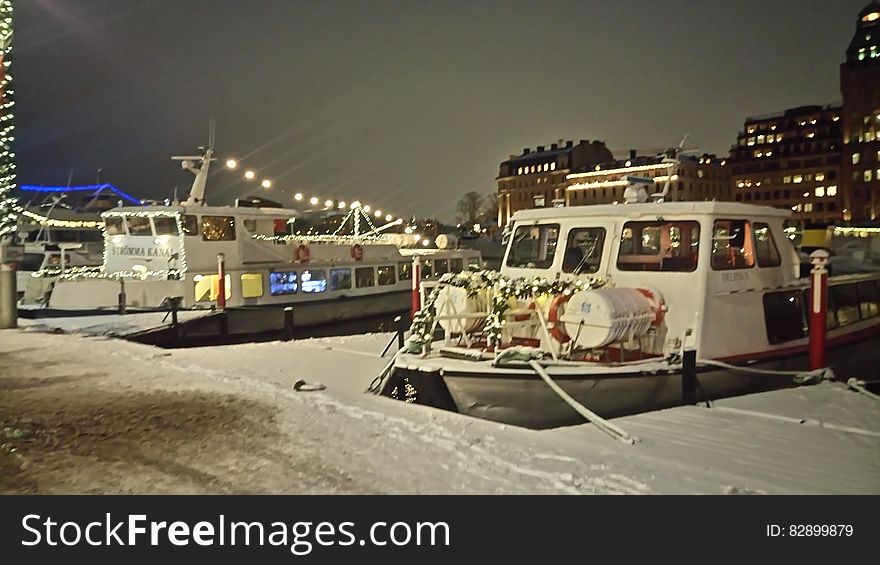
(525, 317)
(357, 252)
(302, 253)
(657, 302)
(557, 330)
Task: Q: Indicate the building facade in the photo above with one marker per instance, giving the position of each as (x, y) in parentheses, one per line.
(860, 117)
(688, 178)
(792, 160)
(538, 178)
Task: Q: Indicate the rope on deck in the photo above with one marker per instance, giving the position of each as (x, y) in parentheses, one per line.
(859, 386)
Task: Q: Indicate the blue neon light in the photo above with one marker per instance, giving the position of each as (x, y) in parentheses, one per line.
(81, 188)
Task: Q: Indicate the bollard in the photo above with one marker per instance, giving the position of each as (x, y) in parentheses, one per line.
(8, 298)
(818, 308)
(121, 297)
(221, 283)
(401, 330)
(288, 323)
(689, 376)
(416, 284)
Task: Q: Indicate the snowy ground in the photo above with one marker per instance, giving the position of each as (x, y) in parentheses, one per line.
(91, 414)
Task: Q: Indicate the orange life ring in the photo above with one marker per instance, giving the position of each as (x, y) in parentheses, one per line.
(658, 303)
(357, 252)
(524, 317)
(302, 253)
(557, 330)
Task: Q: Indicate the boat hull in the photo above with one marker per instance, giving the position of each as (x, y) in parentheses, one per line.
(519, 397)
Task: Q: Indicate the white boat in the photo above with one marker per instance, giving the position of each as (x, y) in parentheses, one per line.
(606, 300)
(155, 253)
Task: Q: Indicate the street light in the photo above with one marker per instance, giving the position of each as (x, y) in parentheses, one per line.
(249, 175)
(313, 201)
(267, 183)
(231, 163)
(298, 196)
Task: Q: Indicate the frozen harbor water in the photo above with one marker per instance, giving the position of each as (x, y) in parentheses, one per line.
(83, 413)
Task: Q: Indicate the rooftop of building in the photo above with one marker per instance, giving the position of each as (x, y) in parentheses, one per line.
(796, 112)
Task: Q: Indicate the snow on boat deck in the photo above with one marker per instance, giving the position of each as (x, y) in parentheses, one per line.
(110, 325)
(819, 439)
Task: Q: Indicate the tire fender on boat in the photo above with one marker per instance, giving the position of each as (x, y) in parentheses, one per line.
(658, 303)
(557, 330)
(357, 252)
(302, 253)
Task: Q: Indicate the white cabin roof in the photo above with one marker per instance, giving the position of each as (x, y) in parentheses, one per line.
(652, 209)
(209, 211)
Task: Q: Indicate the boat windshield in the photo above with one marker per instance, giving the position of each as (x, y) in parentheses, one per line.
(533, 247)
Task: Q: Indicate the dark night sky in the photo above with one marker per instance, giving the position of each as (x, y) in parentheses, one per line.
(405, 105)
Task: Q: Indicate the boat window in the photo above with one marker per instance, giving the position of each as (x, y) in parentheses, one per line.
(218, 228)
(427, 268)
(732, 245)
(283, 282)
(251, 285)
(207, 287)
(385, 275)
(165, 225)
(659, 246)
(846, 302)
(441, 267)
(869, 299)
(364, 276)
(139, 225)
(114, 225)
(583, 251)
(340, 279)
(784, 316)
(765, 247)
(456, 265)
(473, 264)
(190, 225)
(250, 225)
(404, 271)
(314, 281)
(533, 247)
(31, 262)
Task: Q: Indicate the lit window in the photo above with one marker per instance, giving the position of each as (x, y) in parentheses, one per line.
(759, 153)
(546, 166)
(519, 171)
(811, 135)
(869, 175)
(813, 121)
(820, 191)
(808, 207)
(314, 281)
(751, 129)
(855, 158)
(872, 17)
(832, 190)
(552, 166)
(751, 141)
(772, 127)
(806, 194)
(798, 179)
(870, 136)
(740, 184)
(778, 137)
(251, 285)
(768, 154)
(820, 177)
(808, 177)
(760, 139)
(787, 180)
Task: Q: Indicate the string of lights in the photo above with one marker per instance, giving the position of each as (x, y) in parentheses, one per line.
(251, 175)
(8, 206)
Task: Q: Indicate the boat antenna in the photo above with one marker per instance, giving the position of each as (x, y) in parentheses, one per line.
(671, 155)
(188, 162)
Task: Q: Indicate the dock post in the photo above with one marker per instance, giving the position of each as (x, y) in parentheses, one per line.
(401, 329)
(221, 281)
(8, 297)
(818, 308)
(416, 284)
(689, 376)
(288, 323)
(121, 298)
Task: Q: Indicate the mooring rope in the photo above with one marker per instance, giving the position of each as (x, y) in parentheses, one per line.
(800, 377)
(601, 423)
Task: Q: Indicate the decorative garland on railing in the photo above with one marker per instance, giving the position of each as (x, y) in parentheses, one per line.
(504, 290)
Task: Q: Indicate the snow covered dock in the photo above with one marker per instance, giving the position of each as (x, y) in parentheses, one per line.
(229, 419)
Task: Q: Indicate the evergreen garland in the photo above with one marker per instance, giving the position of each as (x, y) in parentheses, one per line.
(8, 204)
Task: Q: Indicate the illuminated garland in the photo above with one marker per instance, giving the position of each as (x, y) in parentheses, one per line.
(162, 273)
(54, 272)
(8, 205)
(53, 223)
(504, 289)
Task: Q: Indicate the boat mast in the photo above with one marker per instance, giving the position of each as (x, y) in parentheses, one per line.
(197, 192)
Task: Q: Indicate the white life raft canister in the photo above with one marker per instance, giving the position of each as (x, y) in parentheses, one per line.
(598, 317)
